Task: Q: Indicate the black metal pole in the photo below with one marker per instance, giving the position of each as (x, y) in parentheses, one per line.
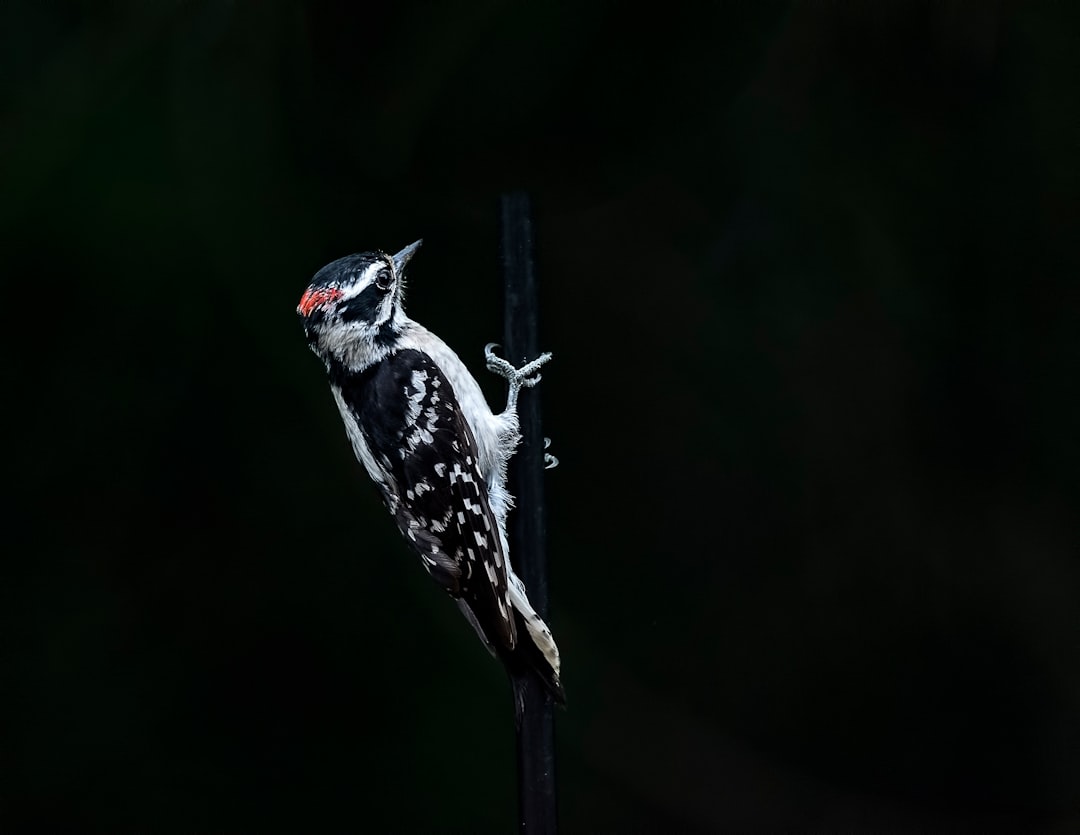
(536, 736)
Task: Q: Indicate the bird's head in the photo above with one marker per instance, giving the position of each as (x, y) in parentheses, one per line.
(352, 309)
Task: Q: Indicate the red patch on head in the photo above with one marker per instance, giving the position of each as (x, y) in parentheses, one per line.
(316, 298)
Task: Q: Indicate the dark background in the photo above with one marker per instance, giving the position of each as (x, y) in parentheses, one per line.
(810, 278)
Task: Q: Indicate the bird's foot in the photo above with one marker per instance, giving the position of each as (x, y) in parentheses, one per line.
(518, 378)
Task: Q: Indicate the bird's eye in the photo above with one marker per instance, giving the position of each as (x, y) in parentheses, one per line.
(384, 279)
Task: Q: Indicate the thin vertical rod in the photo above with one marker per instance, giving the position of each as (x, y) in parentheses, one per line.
(536, 736)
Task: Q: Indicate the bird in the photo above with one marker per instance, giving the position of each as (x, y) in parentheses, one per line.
(420, 425)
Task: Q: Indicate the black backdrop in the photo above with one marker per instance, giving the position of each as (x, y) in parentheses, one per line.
(809, 275)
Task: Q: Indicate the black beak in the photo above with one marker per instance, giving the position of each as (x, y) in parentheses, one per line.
(402, 258)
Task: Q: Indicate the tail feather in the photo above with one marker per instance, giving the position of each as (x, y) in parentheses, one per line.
(527, 654)
(529, 658)
(519, 683)
(537, 630)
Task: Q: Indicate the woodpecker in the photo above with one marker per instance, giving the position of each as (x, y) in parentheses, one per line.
(418, 422)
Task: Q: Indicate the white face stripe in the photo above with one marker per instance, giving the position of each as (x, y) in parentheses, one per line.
(388, 307)
(366, 279)
(354, 342)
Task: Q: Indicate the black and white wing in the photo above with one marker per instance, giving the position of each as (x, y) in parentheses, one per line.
(425, 462)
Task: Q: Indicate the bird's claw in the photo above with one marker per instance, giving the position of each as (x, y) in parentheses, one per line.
(524, 377)
(550, 461)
